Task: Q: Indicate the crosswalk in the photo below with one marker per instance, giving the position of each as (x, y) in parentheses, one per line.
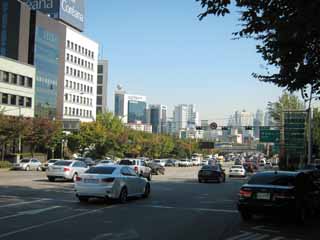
(246, 235)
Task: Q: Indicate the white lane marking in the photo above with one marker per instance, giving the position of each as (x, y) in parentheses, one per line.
(22, 203)
(30, 212)
(192, 209)
(242, 234)
(3, 235)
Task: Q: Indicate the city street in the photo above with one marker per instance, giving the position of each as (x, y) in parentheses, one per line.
(178, 208)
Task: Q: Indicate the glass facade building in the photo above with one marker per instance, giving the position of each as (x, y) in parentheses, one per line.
(137, 111)
(46, 60)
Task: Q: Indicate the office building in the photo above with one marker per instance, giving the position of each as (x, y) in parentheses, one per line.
(130, 108)
(258, 122)
(158, 118)
(102, 86)
(180, 117)
(17, 84)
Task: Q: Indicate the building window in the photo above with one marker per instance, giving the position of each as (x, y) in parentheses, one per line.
(78, 61)
(13, 100)
(75, 72)
(28, 102)
(82, 50)
(77, 99)
(86, 52)
(82, 62)
(14, 78)
(78, 75)
(99, 90)
(72, 45)
(67, 70)
(68, 56)
(65, 111)
(80, 112)
(68, 44)
(80, 100)
(70, 111)
(74, 98)
(100, 68)
(66, 97)
(5, 77)
(73, 111)
(5, 98)
(29, 82)
(99, 109)
(100, 79)
(21, 101)
(99, 100)
(76, 47)
(90, 102)
(74, 85)
(21, 80)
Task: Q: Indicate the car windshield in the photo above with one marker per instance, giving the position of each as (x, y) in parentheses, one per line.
(62, 163)
(213, 168)
(272, 179)
(25, 160)
(101, 170)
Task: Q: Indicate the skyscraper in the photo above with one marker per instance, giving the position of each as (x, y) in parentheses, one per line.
(158, 118)
(180, 117)
(258, 122)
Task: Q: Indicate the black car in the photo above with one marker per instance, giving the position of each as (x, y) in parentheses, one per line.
(211, 173)
(156, 168)
(293, 194)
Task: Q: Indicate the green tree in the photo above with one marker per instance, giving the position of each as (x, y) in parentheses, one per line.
(285, 103)
(288, 36)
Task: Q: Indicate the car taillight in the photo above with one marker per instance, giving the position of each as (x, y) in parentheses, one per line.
(107, 180)
(245, 193)
(66, 169)
(136, 169)
(78, 179)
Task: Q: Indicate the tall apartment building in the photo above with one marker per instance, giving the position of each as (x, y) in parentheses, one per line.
(17, 82)
(185, 116)
(102, 86)
(158, 118)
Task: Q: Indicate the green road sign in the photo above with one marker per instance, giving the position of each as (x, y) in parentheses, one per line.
(269, 136)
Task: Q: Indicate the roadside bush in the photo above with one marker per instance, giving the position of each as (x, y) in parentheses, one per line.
(5, 164)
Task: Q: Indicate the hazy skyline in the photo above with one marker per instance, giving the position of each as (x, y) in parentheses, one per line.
(161, 50)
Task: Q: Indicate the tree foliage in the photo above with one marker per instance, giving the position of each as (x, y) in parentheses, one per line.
(288, 34)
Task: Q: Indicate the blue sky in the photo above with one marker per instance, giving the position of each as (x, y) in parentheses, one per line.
(158, 48)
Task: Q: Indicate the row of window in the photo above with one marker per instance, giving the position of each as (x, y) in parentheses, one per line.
(14, 100)
(79, 49)
(81, 62)
(77, 99)
(77, 112)
(79, 74)
(15, 79)
(79, 87)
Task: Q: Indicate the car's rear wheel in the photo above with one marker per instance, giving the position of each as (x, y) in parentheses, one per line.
(27, 168)
(83, 199)
(149, 177)
(39, 169)
(51, 179)
(246, 216)
(123, 197)
(74, 178)
(146, 191)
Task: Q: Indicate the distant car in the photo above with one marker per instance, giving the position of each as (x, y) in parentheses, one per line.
(205, 162)
(111, 182)
(171, 163)
(87, 161)
(184, 163)
(237, 171)
(293, 194)
(28, 164)
(156, 168)
(49, 163)
(66, 169)
(139, 166)
(105, 162)
(211, 173)
(161, 162)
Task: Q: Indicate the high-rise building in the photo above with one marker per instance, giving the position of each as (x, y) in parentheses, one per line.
(158, 118)
(16, 88)
(102, 86)
(130, 108)
(258, 122)
(180, 117)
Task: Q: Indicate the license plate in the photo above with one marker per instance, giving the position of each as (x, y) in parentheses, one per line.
(90, 180)
(263, 196)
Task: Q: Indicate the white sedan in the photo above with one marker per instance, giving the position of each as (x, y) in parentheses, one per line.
(111, 182)
(237, 171)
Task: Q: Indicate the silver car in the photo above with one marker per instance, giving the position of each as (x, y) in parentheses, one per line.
(66, 169)
(27, 165)
(111, 182)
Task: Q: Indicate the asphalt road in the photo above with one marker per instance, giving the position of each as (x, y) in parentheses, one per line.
(178, 208)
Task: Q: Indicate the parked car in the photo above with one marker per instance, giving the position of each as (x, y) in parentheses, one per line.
(27, 164)
(268, 165)
(293, 194)
(88, 161)
(211, 173)
(111, 182)
(45, 166)
(161, 162)
(139, 166)
(171, 163)
(205, 162)
(184, 163)
(237, 171)
(105, 162)
(156, 168)
(66, 169)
